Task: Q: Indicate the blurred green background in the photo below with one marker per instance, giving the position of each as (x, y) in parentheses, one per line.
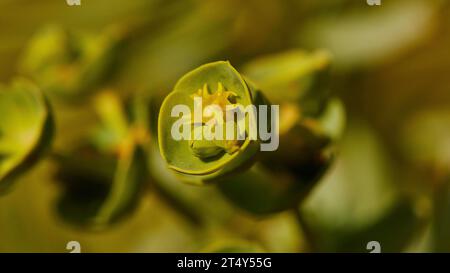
(391, 64)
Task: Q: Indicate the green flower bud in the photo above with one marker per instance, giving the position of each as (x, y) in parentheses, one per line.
(203, 159)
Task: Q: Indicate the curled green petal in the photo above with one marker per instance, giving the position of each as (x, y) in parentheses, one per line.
(25, 129)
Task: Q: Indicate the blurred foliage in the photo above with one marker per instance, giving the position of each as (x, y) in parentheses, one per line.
(91, 82)
(26, 129)
(70, 64)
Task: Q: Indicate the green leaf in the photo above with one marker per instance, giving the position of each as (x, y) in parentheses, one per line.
(98, 190)
(26, 129)
(264, 191)
(113, 127)
(68, 64)
(102, 182)
(394, 230)
(360, 201)
(294, 76)
(285, 177)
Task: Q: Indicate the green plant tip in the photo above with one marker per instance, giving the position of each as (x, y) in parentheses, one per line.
(205, 158)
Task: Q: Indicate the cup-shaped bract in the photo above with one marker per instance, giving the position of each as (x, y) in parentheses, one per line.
(26, 129)
(196, 157)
